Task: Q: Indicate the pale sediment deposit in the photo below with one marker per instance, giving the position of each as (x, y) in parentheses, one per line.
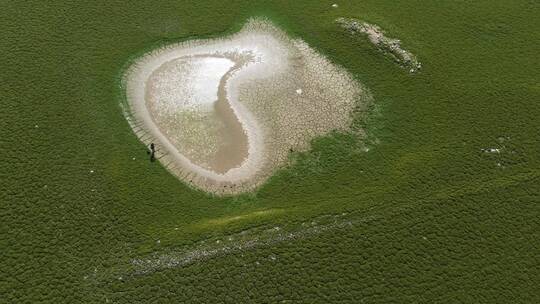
(224, 113)
(377, 36)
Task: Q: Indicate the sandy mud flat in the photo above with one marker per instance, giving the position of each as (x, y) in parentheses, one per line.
(224, 113)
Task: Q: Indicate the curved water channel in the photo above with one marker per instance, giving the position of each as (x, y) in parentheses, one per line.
(234, 150)
(231, 140)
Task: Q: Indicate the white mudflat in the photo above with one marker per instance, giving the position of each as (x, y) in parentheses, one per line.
(224, 113)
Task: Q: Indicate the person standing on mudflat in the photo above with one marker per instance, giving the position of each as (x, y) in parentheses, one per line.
(152, 152)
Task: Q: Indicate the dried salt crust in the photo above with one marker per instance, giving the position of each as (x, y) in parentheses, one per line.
(282, 92)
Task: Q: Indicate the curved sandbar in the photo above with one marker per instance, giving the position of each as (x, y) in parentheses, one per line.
(225, 112)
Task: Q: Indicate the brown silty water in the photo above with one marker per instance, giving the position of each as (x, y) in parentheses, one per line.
(230, 140)
(234, 149)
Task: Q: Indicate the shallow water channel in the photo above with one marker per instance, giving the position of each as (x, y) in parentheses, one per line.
(228, 137)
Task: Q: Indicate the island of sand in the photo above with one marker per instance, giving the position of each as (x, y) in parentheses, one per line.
(224, 113)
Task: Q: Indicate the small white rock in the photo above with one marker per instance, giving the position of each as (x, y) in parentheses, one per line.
(91, 171)
(299, 91)
(334, 5)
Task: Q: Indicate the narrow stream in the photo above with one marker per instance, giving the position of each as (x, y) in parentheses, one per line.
(229, 143)
(234, 149)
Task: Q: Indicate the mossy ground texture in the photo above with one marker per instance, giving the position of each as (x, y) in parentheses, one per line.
(441, 195)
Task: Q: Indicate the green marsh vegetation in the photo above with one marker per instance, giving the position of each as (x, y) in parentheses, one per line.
(449, 219)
